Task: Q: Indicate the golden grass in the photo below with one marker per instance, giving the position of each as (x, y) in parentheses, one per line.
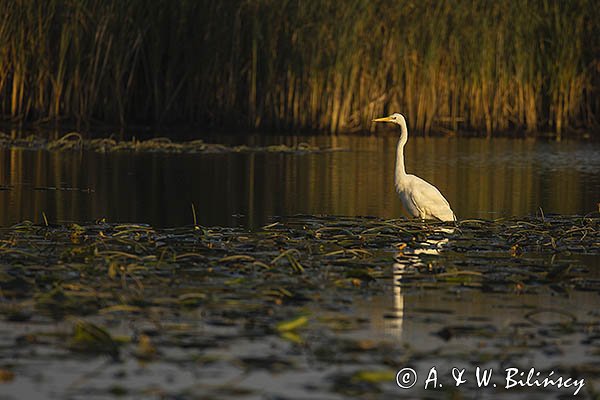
(289, 65)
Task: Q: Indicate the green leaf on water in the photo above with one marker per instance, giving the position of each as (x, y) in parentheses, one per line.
(235, 281)
(91, 338)
(374, 376)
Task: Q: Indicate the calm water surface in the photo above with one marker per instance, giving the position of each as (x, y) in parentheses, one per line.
(480, 178)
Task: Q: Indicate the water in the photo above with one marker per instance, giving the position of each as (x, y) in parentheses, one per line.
(429, 304)
(538, 308)
(480, 178)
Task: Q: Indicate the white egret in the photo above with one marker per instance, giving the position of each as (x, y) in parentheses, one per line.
(420, 198)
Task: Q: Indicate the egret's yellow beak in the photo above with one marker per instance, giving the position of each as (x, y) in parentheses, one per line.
(384, 119)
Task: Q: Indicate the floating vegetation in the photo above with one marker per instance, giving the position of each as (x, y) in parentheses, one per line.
(88, 337)
(222, 299)
(74, 141)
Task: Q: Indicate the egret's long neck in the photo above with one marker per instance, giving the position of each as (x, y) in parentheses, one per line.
(400, 170)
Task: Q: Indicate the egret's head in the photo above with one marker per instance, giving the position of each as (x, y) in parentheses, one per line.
(395, 118)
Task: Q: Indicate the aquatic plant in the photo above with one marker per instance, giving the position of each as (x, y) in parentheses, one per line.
(75, 142)
(129, 297)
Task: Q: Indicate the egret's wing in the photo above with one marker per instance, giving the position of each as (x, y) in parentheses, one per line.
(413, 198)
(429, 201)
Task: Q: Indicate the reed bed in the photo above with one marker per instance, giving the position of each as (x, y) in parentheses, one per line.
(288, 65)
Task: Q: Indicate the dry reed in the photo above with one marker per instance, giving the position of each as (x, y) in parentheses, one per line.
(289, 65)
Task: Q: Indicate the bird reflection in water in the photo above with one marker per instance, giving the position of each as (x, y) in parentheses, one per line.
(408, 260)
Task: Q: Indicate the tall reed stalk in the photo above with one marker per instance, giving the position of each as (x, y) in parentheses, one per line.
(325, 65)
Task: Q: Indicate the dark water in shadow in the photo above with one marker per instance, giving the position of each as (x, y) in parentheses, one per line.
(480, 178)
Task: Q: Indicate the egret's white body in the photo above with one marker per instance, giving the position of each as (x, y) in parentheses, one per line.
(420, 198)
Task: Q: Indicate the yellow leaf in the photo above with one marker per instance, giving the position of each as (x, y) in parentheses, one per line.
(112, 270)
(292, 324)
(292, 337)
